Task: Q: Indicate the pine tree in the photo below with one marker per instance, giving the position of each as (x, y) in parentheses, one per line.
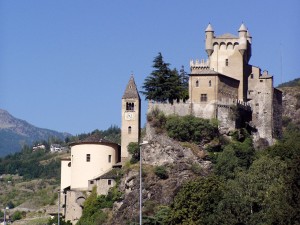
(163, 83)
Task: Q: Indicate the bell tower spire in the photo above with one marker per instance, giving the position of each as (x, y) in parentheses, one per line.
(131, 117)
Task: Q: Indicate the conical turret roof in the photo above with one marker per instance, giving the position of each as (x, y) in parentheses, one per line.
(209, 28)
(243, 28)
(131, 90)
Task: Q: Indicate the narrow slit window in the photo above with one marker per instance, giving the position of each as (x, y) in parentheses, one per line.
(226, 62)
(209, 83)
(129, 130)
(109, 158)
(197, 83)
(88, 157)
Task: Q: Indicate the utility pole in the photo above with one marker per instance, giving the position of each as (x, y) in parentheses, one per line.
(141, 197)
(58, 212)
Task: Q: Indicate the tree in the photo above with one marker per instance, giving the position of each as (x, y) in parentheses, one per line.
(197, 202)
(184, 78)
(134, 149)
(163, 83)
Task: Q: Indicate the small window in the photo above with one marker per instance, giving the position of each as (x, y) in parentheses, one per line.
(209, 83)
(109, 158)
(109, 182)
(261, 80)
(226, 62)
(129, 130)
(203, 98)
(69, 164)
(130, 106)
(257, 104)
(91, 182)
(88, 157)
(197, 83)
(251, 76)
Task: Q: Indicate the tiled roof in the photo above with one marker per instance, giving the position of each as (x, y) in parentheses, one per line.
(93, 139)
(131, 90)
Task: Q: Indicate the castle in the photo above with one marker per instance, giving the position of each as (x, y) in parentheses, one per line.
(225, 87)
(228, 88)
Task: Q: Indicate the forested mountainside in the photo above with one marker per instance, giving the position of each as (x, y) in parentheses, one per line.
(15, 133)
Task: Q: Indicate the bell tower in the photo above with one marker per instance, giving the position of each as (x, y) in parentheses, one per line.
(131, 117)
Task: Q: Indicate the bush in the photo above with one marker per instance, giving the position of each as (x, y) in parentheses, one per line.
(134, 149)
(161, 172)
(190, 128)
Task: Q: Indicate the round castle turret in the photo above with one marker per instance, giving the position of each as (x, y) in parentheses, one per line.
(209, 39)
(243, 39)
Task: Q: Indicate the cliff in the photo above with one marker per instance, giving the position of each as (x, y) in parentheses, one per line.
(182, 165)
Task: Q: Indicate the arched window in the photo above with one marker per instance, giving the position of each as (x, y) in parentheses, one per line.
(130, 106)
(129, 130)
(209, 83)
(197, 83)
(226, 62)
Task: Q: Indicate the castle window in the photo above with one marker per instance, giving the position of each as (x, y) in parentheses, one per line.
(209, 83)
(91, 182)
(261, 80)
(251, 76)
(197, 83)
(203, 98)
(69, 164)
(109, 182)
(129, 130)
(88, 157)
(130, 106)
(109, 158)
(226, 62)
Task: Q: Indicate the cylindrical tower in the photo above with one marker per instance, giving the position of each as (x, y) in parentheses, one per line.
(209, 35)
(90, 159)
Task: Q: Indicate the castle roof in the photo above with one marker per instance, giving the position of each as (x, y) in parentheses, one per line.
(131, 90)
(209, 28)
(227, 35)
(203, 72)
(93, 139)
(243, 28)
(111, 174)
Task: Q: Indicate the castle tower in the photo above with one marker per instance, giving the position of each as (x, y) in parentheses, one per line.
(131, 117)
(209, 35)
(229, 55)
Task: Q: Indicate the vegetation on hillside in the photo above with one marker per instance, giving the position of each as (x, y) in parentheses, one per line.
(164, 84)
(246, 186)
(292, 83)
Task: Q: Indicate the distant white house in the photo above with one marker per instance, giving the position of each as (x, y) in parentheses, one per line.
(55, 148)
(38, 147)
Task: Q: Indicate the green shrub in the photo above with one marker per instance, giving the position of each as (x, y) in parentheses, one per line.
(134, 149)
(190, 128)
(161, 172)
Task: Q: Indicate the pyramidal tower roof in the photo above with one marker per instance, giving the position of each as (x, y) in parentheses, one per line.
(243, 27)
(209, 28)
(131, 90)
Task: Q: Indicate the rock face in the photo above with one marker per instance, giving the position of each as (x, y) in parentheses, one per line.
(160, 151)
(291, 103)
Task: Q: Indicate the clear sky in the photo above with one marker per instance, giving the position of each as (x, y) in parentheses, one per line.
(64, 65)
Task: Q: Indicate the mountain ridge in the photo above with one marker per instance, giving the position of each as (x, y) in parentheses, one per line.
(14, 133)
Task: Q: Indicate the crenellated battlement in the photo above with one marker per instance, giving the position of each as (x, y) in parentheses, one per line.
(199, 64)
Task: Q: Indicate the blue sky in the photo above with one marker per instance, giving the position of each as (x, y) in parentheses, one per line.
(64, 65)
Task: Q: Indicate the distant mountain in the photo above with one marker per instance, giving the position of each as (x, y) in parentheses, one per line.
(14, 133)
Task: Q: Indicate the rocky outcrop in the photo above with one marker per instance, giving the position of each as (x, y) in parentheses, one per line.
(181, 164)
(291, 103)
